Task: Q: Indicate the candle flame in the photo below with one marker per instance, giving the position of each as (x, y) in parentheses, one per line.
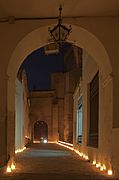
(9, 169)
(12, 166)
(94, 162)
(101, 168)
(109, 172)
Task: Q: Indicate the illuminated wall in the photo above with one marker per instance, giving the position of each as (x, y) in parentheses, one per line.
(21, 113)
(103, 152)
(19, 116)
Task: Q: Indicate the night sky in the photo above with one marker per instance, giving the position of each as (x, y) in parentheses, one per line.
(39, 66)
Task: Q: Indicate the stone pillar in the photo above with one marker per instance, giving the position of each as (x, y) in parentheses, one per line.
(3, 120)
(68, 117)
(32, 138)
(61, 118)
(55, 122)
(116, 102)
(105, 115)
(115, 126)
(11, 117)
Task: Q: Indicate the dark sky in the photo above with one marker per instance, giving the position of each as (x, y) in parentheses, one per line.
(39, 66)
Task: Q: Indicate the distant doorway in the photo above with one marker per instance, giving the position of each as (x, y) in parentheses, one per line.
(40, 131)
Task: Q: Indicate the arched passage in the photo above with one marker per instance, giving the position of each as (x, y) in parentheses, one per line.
(39, 38)
(40, 131)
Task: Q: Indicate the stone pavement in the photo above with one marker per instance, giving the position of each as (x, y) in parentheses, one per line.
(52, 162)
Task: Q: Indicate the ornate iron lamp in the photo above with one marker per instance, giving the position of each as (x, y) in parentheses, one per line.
(60, 32)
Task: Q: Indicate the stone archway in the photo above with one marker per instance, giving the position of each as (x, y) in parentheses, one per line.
(39, 38)
(80, 37)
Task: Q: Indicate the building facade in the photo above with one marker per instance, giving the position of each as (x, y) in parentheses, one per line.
(92, 120)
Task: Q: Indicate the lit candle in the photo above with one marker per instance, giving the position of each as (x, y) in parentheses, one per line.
(94, 162)
(97, 165)
(101, 168)
(9, 169)
(104, 167)
(86, 157)
(12, 166)
(109, 172)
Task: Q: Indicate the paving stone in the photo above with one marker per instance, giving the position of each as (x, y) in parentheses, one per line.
(52, 162)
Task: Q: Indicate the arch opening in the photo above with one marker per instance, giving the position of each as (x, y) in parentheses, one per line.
(40, 132)
(79, 37)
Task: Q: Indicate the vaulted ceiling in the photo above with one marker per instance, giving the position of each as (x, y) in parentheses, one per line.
(49, 8)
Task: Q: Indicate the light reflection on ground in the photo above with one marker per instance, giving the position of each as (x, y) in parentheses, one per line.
(52, 162)
(45, 153)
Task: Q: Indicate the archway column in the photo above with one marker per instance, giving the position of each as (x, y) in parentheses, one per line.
(55, 122)
(109, 120)
(115, 124)
(105, 118)
(68, 117)
(11, 117)
(61, 119)
(116, 101)
(3, 120)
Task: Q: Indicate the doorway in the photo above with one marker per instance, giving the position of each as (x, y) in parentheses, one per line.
(40, 131)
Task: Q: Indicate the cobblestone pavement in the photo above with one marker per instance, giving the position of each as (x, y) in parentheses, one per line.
(52, 162)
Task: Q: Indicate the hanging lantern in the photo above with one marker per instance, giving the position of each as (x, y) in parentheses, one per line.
(60, 32)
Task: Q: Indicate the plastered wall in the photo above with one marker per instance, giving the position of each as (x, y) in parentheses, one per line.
(104, 151)
(21, 113)
(19, 116)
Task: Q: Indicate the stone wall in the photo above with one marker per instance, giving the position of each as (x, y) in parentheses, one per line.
(103, 153)
(41, 109)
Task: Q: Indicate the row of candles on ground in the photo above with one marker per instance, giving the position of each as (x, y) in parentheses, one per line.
(20, 150)
(12, 166)
(69, 146)
(97, 164)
